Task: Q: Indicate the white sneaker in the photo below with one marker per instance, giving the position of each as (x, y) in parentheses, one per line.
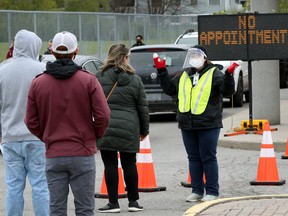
(209, 198)
(194, 197)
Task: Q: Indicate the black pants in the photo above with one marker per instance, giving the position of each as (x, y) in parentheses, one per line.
(128, 163)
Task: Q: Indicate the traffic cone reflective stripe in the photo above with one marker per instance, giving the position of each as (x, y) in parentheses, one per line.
(267, 152)
(145, 151)
(285, 156)
(145, 168)
(267, 168)
(121, 188)
(145, 156)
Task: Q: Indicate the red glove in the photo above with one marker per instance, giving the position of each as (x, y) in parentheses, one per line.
(232, 67)
(158, 62)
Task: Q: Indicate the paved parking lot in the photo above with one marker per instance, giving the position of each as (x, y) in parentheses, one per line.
(237, 169)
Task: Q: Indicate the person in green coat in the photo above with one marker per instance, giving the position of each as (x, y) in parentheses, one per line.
(129, 124)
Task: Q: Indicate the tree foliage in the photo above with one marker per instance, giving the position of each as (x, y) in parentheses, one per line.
(60, 5)
(282, 6)
(41, 5)
(4, 4)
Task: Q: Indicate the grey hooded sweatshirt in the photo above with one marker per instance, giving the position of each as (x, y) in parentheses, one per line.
(16, 75)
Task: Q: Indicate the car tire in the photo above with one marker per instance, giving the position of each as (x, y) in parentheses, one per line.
(238, 96)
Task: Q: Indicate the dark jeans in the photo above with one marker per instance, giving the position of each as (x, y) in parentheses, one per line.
(201, 147)
(128, 163)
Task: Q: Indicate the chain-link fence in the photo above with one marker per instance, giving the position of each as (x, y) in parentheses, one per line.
(96, 32)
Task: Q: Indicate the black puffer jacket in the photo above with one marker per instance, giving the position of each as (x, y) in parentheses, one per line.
(212, 116)
(129, 111)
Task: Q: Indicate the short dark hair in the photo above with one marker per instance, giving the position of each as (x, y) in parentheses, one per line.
(61, 56)
(139, 36)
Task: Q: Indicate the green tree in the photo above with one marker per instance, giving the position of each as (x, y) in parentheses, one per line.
(283, 6)
(48, 5)
(4, 4)
(60, 4)
(39, 5)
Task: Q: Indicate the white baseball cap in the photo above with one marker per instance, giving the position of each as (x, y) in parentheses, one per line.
(66, 39)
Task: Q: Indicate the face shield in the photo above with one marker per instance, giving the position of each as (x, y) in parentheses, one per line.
(195, 58)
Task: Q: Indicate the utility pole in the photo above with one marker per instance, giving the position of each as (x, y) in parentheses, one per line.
(135, 6)
(227, 5)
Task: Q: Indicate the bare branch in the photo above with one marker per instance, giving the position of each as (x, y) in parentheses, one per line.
(123, 6)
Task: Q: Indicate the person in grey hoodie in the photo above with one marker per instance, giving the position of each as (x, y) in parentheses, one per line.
(23, 153)
(68, 110)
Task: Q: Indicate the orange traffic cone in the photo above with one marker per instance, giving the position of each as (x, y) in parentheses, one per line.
(145, 168)
(121, 189)
(285, 156)
(188, 183)
(267, 167)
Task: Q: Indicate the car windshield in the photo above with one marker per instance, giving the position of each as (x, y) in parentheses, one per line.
(140, 60)
(191, 41)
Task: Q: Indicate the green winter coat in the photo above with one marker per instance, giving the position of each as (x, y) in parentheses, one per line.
(129, 111)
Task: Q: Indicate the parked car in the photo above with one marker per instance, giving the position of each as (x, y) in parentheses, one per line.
(175, 54)
(88, 62)
(240, 74)
(141, 58)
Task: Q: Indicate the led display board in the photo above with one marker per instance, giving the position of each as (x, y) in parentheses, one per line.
(244, 36)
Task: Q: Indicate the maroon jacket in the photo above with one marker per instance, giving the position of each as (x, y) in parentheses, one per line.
(67, 114)
(10, 52)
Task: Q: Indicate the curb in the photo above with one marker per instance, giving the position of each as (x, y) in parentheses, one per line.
(250, 145)
(197, 209)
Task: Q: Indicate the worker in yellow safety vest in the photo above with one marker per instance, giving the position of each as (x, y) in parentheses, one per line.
(200, 89)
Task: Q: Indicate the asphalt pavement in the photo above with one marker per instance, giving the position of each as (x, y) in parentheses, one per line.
(238, 158)
(272, 200)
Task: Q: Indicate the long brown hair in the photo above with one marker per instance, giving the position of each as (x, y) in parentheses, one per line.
(116, 56)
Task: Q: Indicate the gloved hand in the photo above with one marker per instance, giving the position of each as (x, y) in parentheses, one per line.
(158, 62)
(232, 67)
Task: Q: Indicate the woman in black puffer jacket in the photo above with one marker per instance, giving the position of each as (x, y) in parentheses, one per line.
(129, 124)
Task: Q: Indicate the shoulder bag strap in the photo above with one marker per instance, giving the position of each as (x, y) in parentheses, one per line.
(108, 96)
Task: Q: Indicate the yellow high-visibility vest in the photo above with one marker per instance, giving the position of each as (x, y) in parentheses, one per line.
(194, 98)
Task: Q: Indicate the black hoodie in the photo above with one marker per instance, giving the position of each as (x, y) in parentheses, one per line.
(62, 68)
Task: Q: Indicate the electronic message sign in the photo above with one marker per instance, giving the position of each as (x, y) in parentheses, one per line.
(244, 36)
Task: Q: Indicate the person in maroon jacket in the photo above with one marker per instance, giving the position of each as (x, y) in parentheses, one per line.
(10, 50)
(67, 110)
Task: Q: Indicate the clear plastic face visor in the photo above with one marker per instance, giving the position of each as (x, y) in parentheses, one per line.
(193, 53)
